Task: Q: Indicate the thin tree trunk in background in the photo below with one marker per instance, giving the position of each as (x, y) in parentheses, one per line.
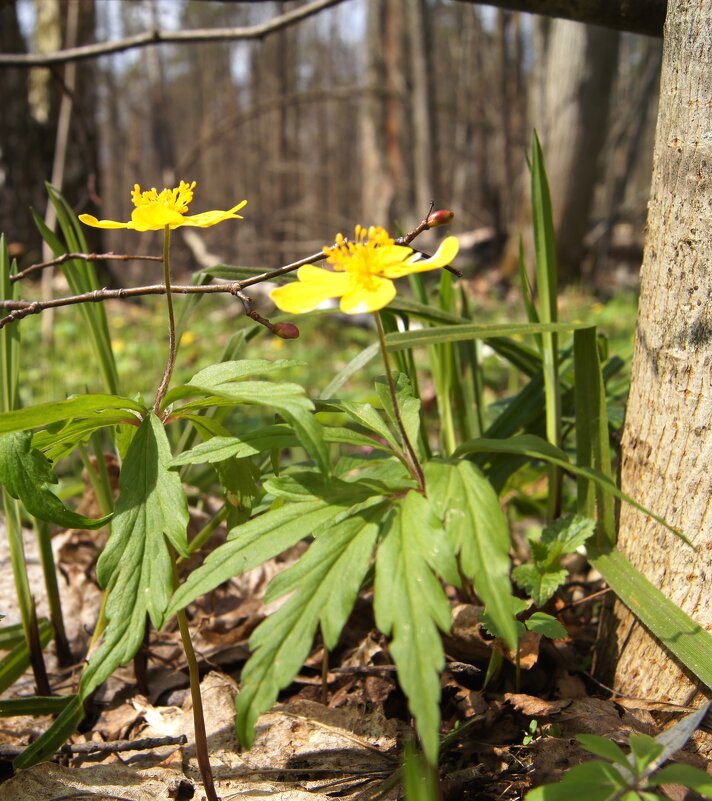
(504, 19)
(667, 444)
(421, 106)
(21, 161)
(570, 103)
(377, 190)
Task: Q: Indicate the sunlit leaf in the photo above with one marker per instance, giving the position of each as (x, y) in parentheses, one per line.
(411, 606)
(325, 583)
(473, 518)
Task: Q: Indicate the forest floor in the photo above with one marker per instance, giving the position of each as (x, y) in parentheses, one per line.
(335, 733)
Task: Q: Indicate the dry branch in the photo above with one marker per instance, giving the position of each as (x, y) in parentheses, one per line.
(156, 36)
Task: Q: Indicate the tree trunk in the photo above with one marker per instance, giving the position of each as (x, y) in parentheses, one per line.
(570, 101)
(667, 444)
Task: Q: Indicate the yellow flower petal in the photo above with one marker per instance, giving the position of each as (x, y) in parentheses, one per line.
(156, 210)
(207, 218)
(155, 218)
(311, 290)
(89, 219)
(415, 264)
(379, 292)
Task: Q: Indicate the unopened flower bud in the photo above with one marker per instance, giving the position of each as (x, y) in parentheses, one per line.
(286, 330)
(440, 217)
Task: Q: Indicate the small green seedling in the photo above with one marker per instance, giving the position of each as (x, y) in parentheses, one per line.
(544, 575)
(632, 777)
(536, 732)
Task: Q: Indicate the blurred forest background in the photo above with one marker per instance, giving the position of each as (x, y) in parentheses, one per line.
(364, 113)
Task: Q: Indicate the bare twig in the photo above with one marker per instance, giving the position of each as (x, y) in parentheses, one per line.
(109, 747)
(65, 257)
(156, 36)
(24, 308)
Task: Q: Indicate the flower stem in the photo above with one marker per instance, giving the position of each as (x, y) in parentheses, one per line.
(411, 458)
(201, 738)
(171, 323)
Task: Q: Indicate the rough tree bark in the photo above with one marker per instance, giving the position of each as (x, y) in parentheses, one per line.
(667, 445)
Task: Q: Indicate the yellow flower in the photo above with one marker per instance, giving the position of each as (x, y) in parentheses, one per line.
(154, 211)
(361, 275)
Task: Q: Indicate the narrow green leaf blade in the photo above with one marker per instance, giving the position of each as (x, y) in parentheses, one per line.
(44, 414)
(678, 632)
(57, 734)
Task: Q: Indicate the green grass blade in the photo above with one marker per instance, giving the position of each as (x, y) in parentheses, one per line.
(81, 277)
(463, 332)
(592, 442)
(49, 742)
(14, 664)
(676, 630)
(546, 278)
(535, 447)
(34, 705)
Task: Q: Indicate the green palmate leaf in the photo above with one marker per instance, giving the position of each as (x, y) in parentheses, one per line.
(56, 443)
(411, 606)
(25, 474)
(539, 583)
(325, 583)
(136, 565)
(563, 536)
(469, 508)
(263, 537)
(408, 405)
(545, 575)
(644, 750)
(218, 449)
(547, 626)
(367, 416)
(224, 381)
(592, 781)
(536, 448)
(515, 606)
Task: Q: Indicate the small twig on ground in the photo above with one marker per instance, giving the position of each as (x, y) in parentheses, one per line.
(108, 747)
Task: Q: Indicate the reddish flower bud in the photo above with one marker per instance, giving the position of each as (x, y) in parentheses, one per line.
(286, 330)
(440, 217)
